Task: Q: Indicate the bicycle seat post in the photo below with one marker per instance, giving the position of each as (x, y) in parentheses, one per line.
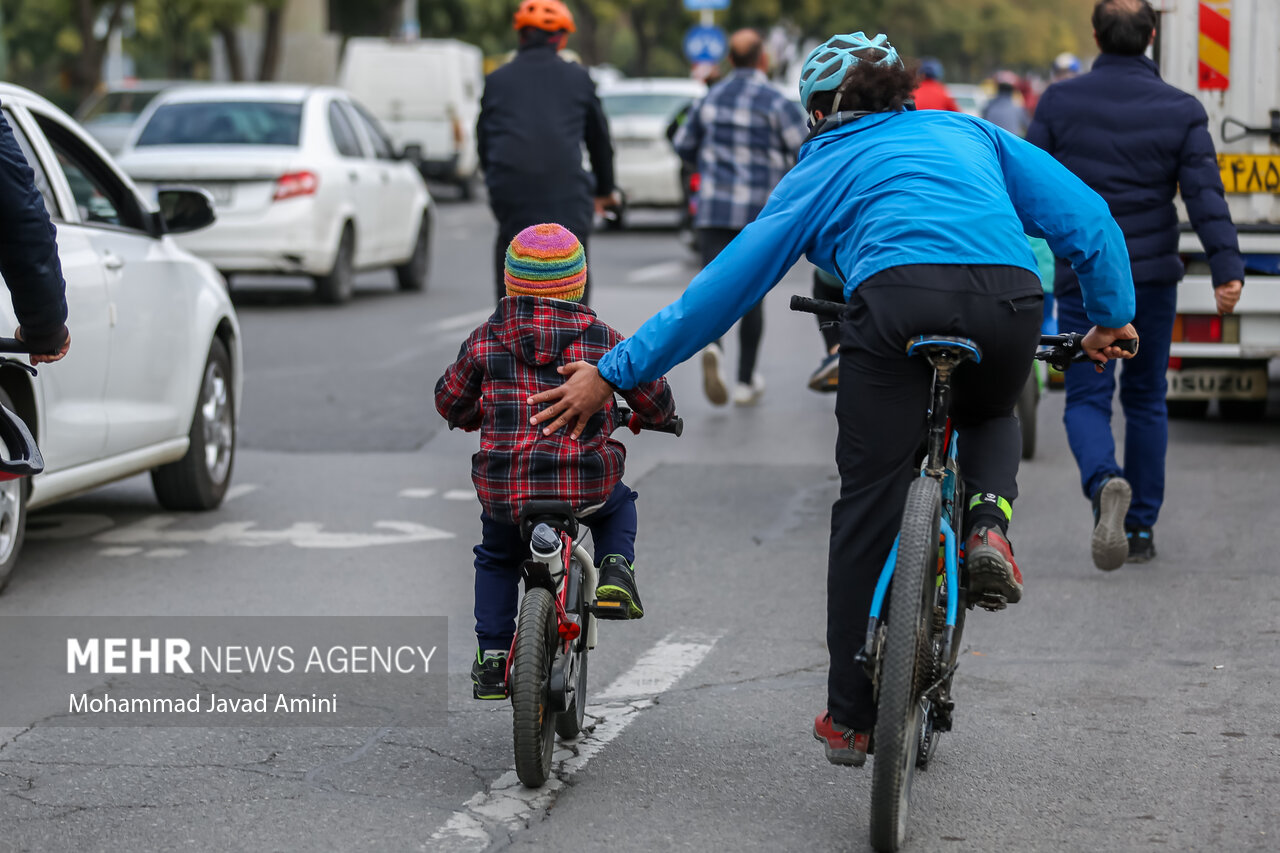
(945, 354)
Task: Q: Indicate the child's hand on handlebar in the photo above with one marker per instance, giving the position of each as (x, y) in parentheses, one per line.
(1099, 344)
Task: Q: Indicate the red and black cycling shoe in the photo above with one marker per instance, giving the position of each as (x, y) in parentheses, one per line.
(843, 745)
(994, 579)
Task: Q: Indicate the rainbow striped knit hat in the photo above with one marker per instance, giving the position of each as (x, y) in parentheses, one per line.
(546, 260)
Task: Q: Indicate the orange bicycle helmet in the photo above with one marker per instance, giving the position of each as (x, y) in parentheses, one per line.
(550, 15)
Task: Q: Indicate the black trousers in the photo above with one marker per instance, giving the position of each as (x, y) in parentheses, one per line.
(712, 241)
(512, 220)
(881, 408)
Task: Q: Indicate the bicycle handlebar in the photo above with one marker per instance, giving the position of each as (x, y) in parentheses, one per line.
(1065, 349)
(13, 345)
(622, 418)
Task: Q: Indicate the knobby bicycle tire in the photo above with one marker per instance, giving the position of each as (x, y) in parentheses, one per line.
(532, 720)
(898, 713)
(569, 723)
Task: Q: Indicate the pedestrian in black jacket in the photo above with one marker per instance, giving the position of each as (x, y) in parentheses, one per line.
(29, 255)
(535, 115)
(1135, 140)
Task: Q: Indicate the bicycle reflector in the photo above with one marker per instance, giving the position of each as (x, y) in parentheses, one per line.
(21, 455)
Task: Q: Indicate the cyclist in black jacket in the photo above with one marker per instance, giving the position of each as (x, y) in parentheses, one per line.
(29, 255)
(535, 115)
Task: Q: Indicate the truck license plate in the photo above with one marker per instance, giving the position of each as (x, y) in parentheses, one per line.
(1216, 383)
(1250, 173)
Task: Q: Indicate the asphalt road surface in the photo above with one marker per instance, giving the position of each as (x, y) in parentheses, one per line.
(1126, 711)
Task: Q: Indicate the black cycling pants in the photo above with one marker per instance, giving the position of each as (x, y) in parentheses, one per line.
(881, 407)
(711, 242)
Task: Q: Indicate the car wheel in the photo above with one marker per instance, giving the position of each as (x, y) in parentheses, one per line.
(198, 481)
(1190, 409)
(412, 275)
(466, 189)
(13, 514)
(1243, 410)
(335, 288)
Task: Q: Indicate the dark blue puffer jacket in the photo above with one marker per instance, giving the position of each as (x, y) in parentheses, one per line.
(1135, 139)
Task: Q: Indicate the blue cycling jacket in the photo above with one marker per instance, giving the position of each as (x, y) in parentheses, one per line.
(887, 190)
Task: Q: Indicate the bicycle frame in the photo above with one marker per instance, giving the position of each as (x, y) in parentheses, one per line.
(940, 463)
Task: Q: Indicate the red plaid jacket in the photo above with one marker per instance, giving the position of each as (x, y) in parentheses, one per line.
(513, 356)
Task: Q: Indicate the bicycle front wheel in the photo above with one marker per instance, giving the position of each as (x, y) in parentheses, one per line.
(533, 721)
(905, 665)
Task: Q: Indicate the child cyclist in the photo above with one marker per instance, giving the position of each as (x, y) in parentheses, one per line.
(540, 326)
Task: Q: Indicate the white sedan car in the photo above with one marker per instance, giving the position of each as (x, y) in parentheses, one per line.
(647, 169)
(303, 178)
(152, 381)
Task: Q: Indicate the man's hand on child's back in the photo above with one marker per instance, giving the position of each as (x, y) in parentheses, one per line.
(582, 395)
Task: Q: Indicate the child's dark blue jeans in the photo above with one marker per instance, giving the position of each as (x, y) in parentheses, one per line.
(501, 552)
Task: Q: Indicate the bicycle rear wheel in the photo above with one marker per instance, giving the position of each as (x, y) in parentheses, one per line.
(532, 720)
(905, 665)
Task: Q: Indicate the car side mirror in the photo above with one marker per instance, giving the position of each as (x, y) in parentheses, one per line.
(412, 153)
(185, 209)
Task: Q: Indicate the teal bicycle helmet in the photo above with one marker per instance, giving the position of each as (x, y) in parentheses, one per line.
(826, 65)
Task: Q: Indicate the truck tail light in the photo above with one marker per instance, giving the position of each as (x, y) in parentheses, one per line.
(295, 184)
(458, 135)
(1206, 329)
(1175, 363)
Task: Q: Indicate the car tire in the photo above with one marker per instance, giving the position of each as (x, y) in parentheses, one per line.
(13, 514)
(412, 275)
(1189, 409)
(335, 287)
(199, 480)
(618, 220)
(466, 189)
(1243, 411)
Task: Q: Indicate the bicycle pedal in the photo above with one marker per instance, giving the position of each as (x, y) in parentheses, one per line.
(610, 609)
(992, 601)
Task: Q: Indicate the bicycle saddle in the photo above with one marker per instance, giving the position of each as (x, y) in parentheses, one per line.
(21, 456)
(558, 514)
(933, 346)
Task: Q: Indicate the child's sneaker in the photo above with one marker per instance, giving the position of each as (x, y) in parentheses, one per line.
(618, 583)
(489, 675)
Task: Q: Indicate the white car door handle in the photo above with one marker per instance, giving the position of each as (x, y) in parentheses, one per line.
(112, 262)
(354, 176)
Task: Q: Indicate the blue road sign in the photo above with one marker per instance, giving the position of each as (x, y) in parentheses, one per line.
(705, 44)
(699, 5)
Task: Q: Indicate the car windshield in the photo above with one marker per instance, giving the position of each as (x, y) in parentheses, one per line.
(658, 104)
(119, 106)
(224, 123)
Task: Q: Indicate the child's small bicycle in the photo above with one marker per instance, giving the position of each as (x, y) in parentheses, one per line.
(547, 666)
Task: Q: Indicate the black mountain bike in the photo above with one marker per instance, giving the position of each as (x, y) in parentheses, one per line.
(911, 651)
(556, 628)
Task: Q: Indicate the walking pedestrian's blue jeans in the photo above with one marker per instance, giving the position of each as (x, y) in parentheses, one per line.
(1142, 397)
(502, 551)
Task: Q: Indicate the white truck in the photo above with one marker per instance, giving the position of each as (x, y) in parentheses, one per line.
(426, 92)
(1227, 53)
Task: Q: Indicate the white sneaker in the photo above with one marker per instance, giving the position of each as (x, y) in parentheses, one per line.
(749, 395)
(712, 377)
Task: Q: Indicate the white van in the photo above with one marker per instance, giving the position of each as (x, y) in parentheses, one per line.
(425, 92)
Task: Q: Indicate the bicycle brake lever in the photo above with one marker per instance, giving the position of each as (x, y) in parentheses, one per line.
(27, 367)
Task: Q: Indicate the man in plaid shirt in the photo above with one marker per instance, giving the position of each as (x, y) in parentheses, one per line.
(536, 329)
(741, 139)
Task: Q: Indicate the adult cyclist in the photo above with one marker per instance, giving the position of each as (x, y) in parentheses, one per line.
(922, 217)
(537, 113)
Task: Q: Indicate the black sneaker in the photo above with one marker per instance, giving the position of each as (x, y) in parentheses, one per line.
(618, 583)
(1142, 544)
(489, 675)
(1110, 546)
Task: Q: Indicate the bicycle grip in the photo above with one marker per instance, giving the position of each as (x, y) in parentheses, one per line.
(821, 307)
(1127, 344)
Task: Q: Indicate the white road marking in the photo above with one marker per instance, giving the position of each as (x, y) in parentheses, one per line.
(460, 495)
(461, 321)
(155, 531)
(238, 491)
(508, 806)
(122, 551)
(653, 272)
(417, 493)
(167, 552)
